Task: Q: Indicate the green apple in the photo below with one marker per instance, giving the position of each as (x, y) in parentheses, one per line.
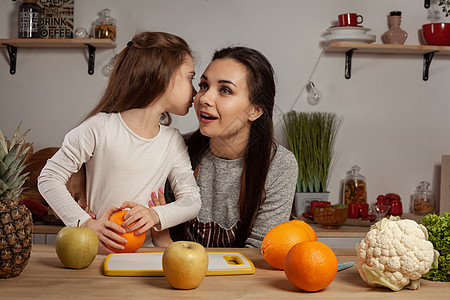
(185, 264)
(76, 247)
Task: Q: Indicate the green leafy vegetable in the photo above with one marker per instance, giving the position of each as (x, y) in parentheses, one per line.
(439, 235)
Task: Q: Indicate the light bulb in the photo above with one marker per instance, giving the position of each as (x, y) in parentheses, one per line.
(107, 69)
(314, 95)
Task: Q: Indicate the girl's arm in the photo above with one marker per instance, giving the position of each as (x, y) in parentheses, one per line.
(279, 196)
(186, 192)
(77, 148)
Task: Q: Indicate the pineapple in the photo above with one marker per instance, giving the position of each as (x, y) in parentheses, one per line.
(16, 224)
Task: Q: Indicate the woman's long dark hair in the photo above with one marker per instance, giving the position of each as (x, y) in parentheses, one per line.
(142, 71)
(261, 145)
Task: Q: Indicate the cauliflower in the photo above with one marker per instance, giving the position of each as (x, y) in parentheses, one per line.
(395, 253)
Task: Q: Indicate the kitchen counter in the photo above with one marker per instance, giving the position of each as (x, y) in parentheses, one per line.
(46, 278)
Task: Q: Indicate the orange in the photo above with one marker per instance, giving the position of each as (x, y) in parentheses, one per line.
(134, 241)
(307, 228)
(311, 266)
(279, 240)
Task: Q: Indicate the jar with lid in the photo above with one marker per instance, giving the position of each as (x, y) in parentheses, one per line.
(29, 19)
(396, 204)
(105, 26)
(423, 201)
(355, 187)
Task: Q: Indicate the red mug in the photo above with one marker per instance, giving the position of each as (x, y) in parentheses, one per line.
(350, 19)
(358, 210)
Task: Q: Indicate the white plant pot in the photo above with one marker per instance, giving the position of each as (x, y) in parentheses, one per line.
(302, 201)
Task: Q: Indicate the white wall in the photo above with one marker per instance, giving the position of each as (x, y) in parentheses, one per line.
(395, 124)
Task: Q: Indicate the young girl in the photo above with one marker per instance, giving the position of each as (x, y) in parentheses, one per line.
(128, 154)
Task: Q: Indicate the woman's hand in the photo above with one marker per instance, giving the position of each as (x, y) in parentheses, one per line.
(160, 238)
(107, 231)
(139, 218)
(83, 204)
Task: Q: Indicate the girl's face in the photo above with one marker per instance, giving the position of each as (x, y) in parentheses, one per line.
(222, 103)
(180, 93)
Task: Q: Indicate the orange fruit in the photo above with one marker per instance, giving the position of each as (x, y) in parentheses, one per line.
(307, 228)
(279, 240)
(311, 266)
(134, 241)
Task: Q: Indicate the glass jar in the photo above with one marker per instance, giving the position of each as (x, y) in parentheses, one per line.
(355, 187)
(395, 203)
(105, 26)
(29, 19)
(423, 201)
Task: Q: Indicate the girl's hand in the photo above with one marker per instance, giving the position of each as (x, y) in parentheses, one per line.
(107, 231)
(139, 218)
(160, 238)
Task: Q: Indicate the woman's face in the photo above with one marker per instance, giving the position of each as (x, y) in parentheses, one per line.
(222, 103)
(180, 93)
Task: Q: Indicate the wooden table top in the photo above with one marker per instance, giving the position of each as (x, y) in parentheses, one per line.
(46, 278)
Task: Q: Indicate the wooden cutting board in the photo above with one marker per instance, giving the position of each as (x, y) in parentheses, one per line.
(150, 264)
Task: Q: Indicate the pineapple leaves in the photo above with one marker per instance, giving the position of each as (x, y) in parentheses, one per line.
(12, 164)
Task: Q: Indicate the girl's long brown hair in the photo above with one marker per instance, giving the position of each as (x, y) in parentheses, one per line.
(261, 145)
(142, 71)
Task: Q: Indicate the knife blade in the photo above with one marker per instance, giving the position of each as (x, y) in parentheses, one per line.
(346, 265)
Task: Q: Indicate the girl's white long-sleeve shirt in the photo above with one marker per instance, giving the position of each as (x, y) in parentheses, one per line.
(120, 166)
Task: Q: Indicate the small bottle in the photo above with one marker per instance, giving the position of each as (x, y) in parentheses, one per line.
(105, 26)
(395, 35)
(423, 202)
(29, 19)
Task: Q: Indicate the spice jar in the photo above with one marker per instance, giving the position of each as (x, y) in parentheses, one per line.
(355, 187)
(396, 204)
(423, 201)
(105, 26)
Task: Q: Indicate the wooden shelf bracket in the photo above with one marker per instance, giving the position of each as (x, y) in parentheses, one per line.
(12, 52)
(427, 58)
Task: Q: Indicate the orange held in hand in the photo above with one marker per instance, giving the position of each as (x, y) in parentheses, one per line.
(134, 241)
(280, 239)
(311, 266)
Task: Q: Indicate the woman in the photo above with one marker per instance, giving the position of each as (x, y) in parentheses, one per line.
(247, 181)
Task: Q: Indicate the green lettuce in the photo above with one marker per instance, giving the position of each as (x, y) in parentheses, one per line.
(439, 235)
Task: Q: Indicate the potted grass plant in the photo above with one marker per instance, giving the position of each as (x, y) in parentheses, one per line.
(311, 137)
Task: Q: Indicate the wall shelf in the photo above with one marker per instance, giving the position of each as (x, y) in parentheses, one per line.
(349, 48)
(91, 44)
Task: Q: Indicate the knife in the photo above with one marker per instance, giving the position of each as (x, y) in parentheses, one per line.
(346, 265)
